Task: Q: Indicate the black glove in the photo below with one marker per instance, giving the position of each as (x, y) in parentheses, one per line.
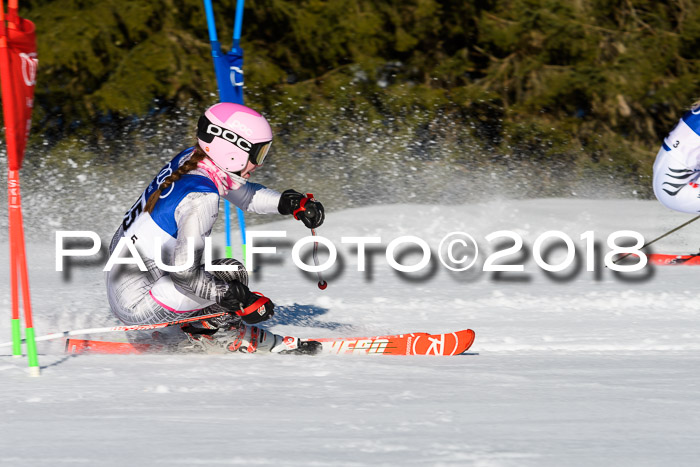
(303, 208)
(251, 307)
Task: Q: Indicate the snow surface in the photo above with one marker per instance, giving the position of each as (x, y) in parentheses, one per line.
(589, 369)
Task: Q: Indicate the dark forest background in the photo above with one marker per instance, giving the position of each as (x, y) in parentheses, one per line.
(571, 86)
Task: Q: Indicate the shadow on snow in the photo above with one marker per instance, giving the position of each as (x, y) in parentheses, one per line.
(305, 316)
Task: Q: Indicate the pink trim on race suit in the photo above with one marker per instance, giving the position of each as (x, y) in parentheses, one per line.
(169, 308)
(224, 112)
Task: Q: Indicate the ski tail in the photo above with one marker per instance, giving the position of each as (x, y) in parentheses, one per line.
(84, 346)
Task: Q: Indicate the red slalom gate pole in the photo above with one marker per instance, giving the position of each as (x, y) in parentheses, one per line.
(17, 112)
(8, 106)
(14, 260)
(14, 287)
(19, 267)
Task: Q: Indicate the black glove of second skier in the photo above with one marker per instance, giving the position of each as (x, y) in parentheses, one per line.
(251, 307)
(303, 207)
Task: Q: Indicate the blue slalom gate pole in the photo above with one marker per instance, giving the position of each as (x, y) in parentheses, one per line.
(209, 11)
(237, 49)
(239, 24)
(229, 79)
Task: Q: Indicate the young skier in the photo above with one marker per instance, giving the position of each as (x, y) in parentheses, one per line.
(169, 224)
(677, 166)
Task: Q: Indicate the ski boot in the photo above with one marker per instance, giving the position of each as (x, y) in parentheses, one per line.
(240, 337)
(305, 348)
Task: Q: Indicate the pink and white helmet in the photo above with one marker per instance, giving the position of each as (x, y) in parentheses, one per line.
(231, 134)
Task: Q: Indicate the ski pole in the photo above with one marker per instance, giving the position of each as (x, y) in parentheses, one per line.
(659, 238)
(135, 327)
(321, 283)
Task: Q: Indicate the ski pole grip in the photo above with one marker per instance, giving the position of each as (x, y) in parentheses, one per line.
(302, 205)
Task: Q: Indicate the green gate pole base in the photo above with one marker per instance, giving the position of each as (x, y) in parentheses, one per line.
(229, 252)
(16, 339)
(31, 353)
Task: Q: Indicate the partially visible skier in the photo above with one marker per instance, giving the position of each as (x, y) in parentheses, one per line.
(677, 165)
(177, 212)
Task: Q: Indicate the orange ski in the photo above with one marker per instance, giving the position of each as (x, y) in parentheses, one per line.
(419, 343)
(81, 346)
(660, 259)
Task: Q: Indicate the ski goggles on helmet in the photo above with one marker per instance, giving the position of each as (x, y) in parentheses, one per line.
(207, 131)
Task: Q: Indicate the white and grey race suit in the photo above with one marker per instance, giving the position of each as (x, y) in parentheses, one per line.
(186, 210)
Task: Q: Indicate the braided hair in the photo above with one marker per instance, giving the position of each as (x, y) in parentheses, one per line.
(188, 166)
